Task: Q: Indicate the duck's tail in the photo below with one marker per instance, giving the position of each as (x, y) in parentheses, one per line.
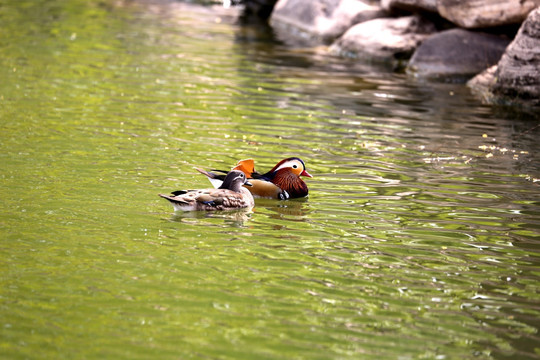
(178, 204)
(173, 199)
(215, 179)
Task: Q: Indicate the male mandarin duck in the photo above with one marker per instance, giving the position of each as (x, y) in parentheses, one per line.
(230, 195)
(282, 182)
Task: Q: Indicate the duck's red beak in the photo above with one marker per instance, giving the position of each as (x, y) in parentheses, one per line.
(305, 173)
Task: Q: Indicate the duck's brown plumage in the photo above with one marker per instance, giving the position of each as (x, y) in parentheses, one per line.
(294, 186)
(231, 195)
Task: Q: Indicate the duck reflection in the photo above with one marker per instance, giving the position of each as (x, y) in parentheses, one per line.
(236, 218)
(296, 209)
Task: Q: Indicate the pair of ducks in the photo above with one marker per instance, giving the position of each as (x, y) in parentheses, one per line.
(282, 182)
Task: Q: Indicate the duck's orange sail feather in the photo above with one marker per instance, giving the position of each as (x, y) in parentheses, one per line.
(246, 166)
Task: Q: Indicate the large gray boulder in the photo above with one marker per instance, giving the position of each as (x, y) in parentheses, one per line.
(456, 54)
(518, 72)
(485, 13)
(516, 78)
(320, 21)
(386, 39)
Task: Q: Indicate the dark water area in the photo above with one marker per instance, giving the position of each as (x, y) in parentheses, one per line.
(419, 239)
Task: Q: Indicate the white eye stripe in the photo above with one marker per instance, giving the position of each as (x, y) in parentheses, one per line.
(289, 164)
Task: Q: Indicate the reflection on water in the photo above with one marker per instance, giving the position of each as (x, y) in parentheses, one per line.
(419, 238)
(235, 218)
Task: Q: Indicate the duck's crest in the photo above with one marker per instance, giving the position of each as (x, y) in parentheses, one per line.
(246, 166)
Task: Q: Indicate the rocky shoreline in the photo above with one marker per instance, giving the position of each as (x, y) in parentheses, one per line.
(494, 45)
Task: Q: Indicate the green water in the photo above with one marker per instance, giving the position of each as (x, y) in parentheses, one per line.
(419, 240)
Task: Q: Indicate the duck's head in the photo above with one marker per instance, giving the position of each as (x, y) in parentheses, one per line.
(234, 181)
(294, 165)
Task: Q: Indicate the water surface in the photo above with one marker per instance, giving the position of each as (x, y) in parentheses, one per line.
(420, 237)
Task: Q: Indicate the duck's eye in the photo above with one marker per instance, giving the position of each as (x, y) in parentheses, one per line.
(295, 166)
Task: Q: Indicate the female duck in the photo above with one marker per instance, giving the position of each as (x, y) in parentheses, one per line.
(282, 182)
(230, 195)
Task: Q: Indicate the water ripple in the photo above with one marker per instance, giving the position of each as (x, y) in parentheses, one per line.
(419, 238)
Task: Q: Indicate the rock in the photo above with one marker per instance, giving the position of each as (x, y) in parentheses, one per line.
(456, 54)
(518, 71)
(485, 13)
(516, 78)
(482, 83)
(384, 39)
(410, 5)
(320, 21)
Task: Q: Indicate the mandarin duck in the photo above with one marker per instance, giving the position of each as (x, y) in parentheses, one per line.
(282, 182)
(230, 195)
